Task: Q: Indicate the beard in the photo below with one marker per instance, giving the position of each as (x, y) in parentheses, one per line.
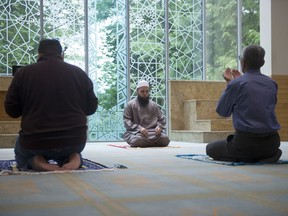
(143, 102)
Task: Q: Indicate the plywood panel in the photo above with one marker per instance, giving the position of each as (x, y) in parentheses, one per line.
(181, 91)
(282, 105)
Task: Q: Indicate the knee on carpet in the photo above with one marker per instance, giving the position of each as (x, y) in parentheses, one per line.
(208, 149)
(136, 143)
(163, 142)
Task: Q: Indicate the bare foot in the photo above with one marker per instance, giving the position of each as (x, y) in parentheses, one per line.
(73, 163)
(40, 164)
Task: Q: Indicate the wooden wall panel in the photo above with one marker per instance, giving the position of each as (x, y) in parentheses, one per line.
(4, 85)
(282, 105)
(188, 90)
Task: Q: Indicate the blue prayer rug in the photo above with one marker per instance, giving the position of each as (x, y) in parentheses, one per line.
(9, 167)
(207, 159)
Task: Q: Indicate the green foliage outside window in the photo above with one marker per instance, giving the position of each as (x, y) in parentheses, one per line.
(221, 40)
(221, 33)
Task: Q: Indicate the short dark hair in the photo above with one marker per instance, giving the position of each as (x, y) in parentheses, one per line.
(254, 56)
(50, 47)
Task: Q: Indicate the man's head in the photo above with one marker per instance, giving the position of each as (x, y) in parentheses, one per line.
(143, 92)
(253, 57)
(49, 47)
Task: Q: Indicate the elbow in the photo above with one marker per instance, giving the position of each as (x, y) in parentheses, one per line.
(91, 108)
(12, 111)
(222, 113)
(226, 115)
(13, 114)
(91, 111)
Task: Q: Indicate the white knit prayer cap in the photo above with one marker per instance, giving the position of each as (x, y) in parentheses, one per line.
(142, 83)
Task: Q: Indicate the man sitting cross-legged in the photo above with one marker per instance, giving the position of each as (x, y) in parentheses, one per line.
(144, 121)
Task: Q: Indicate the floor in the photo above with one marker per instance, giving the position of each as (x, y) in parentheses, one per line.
(155, 183)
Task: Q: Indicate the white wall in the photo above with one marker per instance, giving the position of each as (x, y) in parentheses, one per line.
(274, 36)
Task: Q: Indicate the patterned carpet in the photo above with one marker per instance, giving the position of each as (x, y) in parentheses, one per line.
(156, 183)
(207, 159)
(9, 167)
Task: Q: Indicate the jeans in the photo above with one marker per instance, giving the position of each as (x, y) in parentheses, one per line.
(24, 157)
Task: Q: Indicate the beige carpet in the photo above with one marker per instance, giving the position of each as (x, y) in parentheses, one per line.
(154, 183)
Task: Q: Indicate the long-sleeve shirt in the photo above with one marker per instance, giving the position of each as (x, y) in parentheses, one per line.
(251, 99)
(135, 117)
(53, 99)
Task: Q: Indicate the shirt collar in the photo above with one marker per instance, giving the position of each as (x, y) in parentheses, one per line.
(46, 57)
(253, 71)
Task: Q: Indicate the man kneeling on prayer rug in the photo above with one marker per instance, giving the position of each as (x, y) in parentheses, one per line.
(144, 121)
(53, 99)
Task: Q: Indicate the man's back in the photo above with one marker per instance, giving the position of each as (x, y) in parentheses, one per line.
(55, 98)
(252, 99)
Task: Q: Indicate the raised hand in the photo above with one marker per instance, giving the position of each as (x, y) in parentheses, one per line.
(227, 75)
(236, 73)
(230, 74)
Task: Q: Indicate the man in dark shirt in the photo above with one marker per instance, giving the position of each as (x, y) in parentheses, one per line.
(251, 99)
(53, 99)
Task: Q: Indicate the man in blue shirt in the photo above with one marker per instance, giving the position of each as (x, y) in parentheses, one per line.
(251, 100)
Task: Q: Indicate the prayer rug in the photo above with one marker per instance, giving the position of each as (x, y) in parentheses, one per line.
(126, 146)
(207, 159)
(9, 167)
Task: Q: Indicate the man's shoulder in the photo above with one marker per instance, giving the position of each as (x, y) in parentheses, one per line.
(130, 104)
(264, 76)
(72, 66)
(23, 69)
(29, 66)
(132, 101)
(252, 79)
(153, 102)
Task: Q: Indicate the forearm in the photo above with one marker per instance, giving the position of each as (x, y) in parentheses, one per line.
(130, 126)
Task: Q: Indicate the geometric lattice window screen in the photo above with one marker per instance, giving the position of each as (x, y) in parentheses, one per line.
(64, 20)
(145, 56)
(19, 33)
(100, 43)
(147, 43)
(186, 40)
(108, 68)
(148, 37)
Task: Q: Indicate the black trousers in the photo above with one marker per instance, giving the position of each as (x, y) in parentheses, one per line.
(243, 146)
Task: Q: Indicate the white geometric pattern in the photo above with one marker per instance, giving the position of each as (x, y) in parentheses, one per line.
(140, 53)
(19, 33)
(186, 40)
